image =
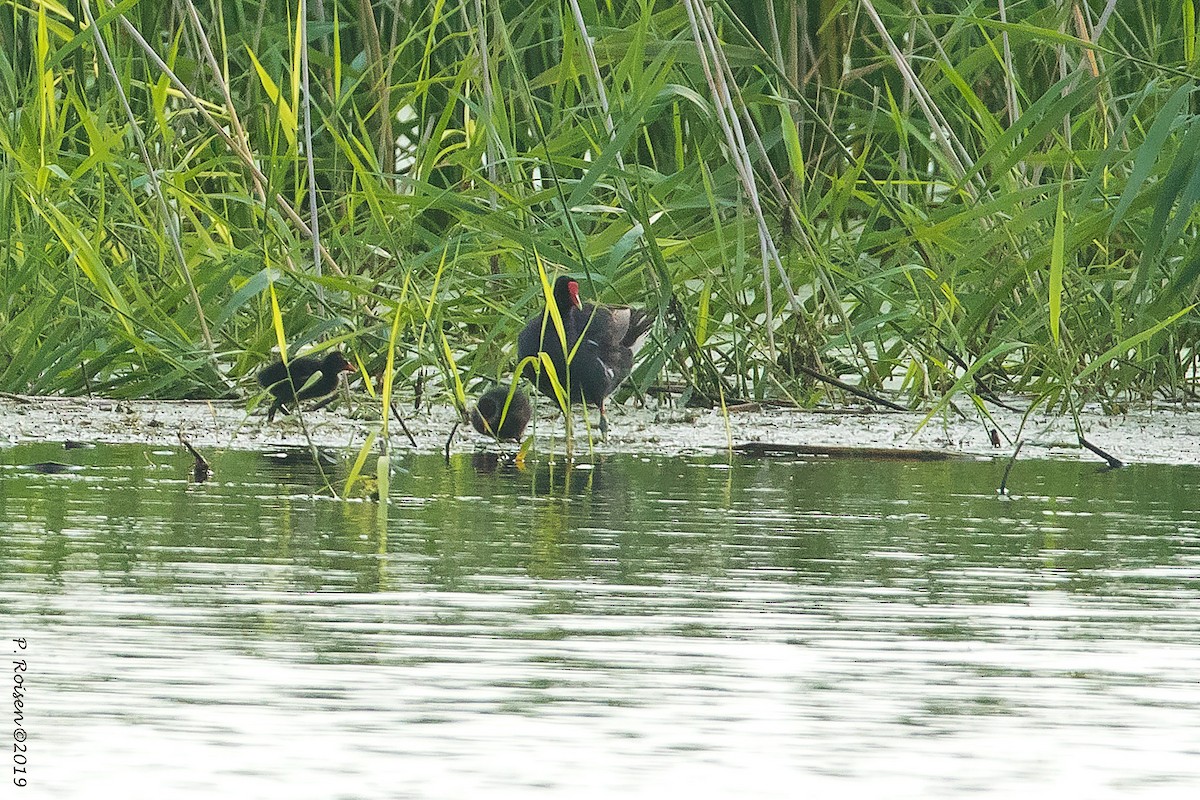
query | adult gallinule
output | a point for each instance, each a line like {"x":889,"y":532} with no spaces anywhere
{"x":490,"y":418}
{"x":302,"y":379}
{"x":607,"y":337}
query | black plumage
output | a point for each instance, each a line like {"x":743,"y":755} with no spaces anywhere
{"x":603,"y":340}
{"x":302,"y":378}
{"x":490,"y":418}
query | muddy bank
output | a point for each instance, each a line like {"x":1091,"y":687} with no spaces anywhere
{"x":1159,"y":435}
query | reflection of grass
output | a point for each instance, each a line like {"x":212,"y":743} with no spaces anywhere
{"x":950,"y":632}
{"x":700,"y":630}
{"x":982,"y":705}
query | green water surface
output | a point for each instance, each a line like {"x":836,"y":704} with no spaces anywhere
{"x":628,"y":627}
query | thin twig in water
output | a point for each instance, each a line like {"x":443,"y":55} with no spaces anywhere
{"x":1113,"y":462}
{"x":403,"y":427}
{"x":1008,"y":467}
{"x":450,"y":439}
{"x":201,"y":470}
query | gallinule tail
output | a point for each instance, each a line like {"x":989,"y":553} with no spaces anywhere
{"x":302,"y":379}
{"x":490,"y":418}
{"x":607,"y":337}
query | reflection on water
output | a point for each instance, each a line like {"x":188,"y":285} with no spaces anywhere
{"x":763,"y":629}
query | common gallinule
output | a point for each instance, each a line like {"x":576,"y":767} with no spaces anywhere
{"x":490,"y":418}
{"x":302,"y":378}
{"x":610,"y":336}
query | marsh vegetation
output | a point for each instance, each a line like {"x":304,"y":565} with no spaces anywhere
{"x":921,"y":204}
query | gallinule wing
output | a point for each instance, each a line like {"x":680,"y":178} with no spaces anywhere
{"x":489,"y":417}
{"x":302,"y":379}
{"x":610,"y":336}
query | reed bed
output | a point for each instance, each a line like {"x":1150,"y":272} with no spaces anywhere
{"x":922,"y":201}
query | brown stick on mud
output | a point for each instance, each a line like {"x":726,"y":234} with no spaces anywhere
{"x":761,"y":449}
{"x":983,"y":390}
{"x":854,"y":390}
